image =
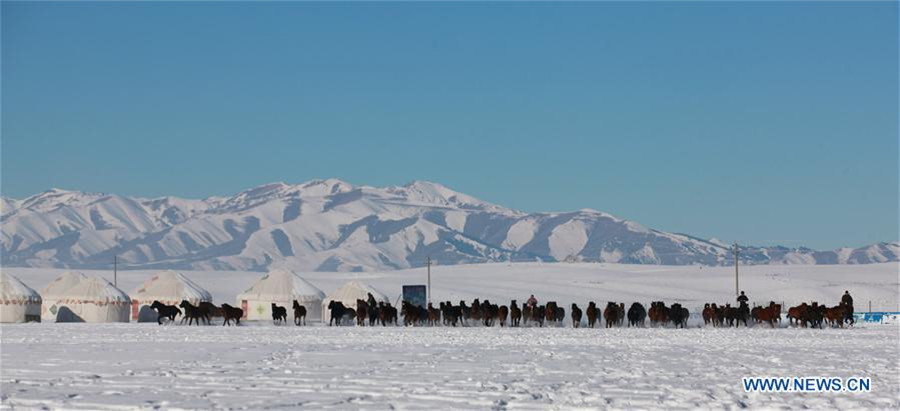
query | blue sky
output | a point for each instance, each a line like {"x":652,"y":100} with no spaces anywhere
{"x":763,"y":123}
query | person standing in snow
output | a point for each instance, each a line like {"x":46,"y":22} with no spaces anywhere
{"x":532,"y":302}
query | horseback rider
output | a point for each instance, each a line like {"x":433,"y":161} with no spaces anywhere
{"x":742,"y":299}
{"x":371,"y":300}
{"x":532,"y":302}
{"x":847,"y":300}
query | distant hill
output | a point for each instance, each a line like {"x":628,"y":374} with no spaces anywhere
{"x":331,"y":225}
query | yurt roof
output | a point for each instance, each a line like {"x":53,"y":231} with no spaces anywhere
{"x":170,"y":285}
{"x":355,"y":290}
{"x":58,"y":287}
{"x":97,"y":290}
{"x":13,"y":289}
{"x":281,"y":283}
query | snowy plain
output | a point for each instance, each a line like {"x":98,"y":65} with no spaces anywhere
{"x":261,"y":366}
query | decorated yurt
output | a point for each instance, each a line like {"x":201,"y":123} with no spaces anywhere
{"x":93,"y":300}
{"x":281,"y":287}
{"x":18,"y":302}
{"x":168,"y":287}
{"x":349,"y":293}
{"x":56,"y":290}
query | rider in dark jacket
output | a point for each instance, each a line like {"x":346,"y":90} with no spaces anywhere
{"x":742,"y":299}
{"x":847,"y":300}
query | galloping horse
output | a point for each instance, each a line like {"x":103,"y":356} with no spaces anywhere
{"x":299,"y":313}
{"x":592,"y":313}
{"x":337,"y":312}
{"x":502,"y":313}
{"x":279,"y":314}
{"x":658,"y":313}
{"x":835,"y":315}
{"x":165,"y":311}
{"x":434,"y":315}
{"x":362,"y":311}
{"x":636,"y":315}
{"x":769,"y":314}
{"x":515,"y":314}
{"x":231,"y":313}
{"x":209,"y":310}
{"x":677,"y":315}
{"x":191,"y":313}
{"x":611,"y":314}
{"x":576,"y":316}
{"x":708,"y":314}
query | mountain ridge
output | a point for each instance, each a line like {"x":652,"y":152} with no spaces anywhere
{"x":332,"y":225}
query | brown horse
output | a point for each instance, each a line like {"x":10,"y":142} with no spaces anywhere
{"x":362,"y":310}
{"x":797,"y":313}
{"x":476,"y":310}
{"x":209,"y":310}
{"x":231,"y":313}
{"x":527,"y":313}
{"x":502,"y":313}
{"x":658,"y":313}
{"x":611,"y":314}
{"x":769,"y":314}
{"x":708,"y":314}
{"x":592,"y":313}
{"x":434,"y":315}
{"x":835,"y":315}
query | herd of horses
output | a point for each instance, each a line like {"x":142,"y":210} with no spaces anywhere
{"x":197,"y":314}
{"x":488,"y":314}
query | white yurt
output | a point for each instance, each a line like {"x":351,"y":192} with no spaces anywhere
{"x":168,"y":287}
{"x":56,"y":290}
{"x":18,"y":302}
{"x":349,"y":293}
{"x":93,"y":300}
{"x":281,"y":287}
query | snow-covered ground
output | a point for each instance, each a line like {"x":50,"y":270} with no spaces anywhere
{"x":99,"y":366}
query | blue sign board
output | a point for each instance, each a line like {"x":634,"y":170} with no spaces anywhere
{"x":416,"y":295}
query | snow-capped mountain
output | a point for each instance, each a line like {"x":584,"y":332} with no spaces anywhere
{"x":331,"y":225}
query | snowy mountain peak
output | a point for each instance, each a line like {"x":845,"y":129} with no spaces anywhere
{"x":333,"y":225}
{"x":326,"y":187}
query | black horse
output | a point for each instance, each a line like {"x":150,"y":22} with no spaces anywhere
{"x":677,"y":315}
{"x":742,"y":314}
{"x":191,"y":312}
{"x":232,"y":313}
{"x":299,"y":313}
{"x":576,"y":316}
{"x":337,"y":312}
{"x":165,"y":311}
{"x":636,"y":315}
{"x":279,"y":314}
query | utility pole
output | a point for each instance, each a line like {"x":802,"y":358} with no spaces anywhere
{"x":736,"y":283}
{"x":116,"y":270}
{"x":428,"y":263}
